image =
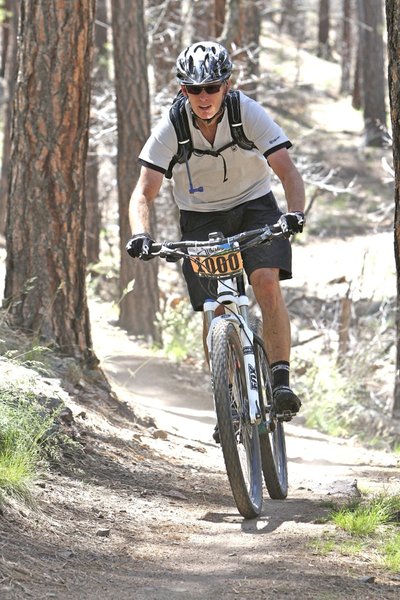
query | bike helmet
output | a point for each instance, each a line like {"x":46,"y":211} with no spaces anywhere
{"x":203,"y":62}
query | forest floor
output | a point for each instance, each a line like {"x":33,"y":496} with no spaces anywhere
{"x":142,"y":510}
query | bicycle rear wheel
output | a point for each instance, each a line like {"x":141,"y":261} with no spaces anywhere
{"x":238,"y":437}
{"x":271,"y":431}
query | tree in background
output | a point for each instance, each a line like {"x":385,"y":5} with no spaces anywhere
{"x":8,"y":71}
{"x":290,"y":17}
{"x":45,"y":267}
{"x":393,"y":28}
{"x":231,"y":31}
{"x":165,"y":32}
{"x":138,"y":306}
{"x":370,"y":17}
{"x":199,"y":23}
{"x":100,"y":81}
{"x":324,"y":49}
{"x":249,"y":41}
{"x":346,"y":46}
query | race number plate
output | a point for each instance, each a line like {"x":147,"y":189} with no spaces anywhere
{"x":219,"y":266}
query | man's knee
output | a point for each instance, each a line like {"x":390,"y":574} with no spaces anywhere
{"x":265,"y":281}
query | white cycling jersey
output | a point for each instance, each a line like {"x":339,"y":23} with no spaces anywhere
{"x":233,"y":177}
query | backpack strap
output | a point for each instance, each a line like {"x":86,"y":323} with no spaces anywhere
{"x":179,"y":119}
{"x":232,"y":101}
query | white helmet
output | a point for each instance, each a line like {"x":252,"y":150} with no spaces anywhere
{"x":202,"y":63}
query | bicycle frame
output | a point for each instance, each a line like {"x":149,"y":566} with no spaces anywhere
{"x":263,"y":446}
{"x":237,"y":313}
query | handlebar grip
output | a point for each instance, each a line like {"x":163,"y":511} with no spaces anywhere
{"x":155,"y":247}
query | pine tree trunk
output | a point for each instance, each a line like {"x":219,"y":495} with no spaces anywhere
{"x":199,"y":23}
{"x":346,"y":48}
{"x":324,"y":50}
{"x":138,"y":307}
{"x":9,"y":62}
{"x":370,"y":15}
{"x":219,"y":17}
{"x":231,"y":31}
{"x":45,"y":269}
{"x":250,"y":31}
{"x":100,"y":79}
{"x":393,"y":26}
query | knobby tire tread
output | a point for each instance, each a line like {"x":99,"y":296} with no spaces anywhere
{"x":272,"y":445}
{"x":225,"y":347}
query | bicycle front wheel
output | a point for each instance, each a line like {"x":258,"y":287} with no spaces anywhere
{"x":238,"y":437}
{"x":272,"y":433}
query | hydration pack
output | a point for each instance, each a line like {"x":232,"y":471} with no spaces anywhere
{"x":179,"y":119}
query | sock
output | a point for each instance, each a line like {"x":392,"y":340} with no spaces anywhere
{"x":280,"y":373}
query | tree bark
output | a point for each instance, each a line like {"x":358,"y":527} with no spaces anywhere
{"x":249,"y":40}
{"x":324,"y":50}
{"x":200,"y":22}
{"x":370,"y":16}
{"x":231,"y":31}
{"x":100,"y":79}
{"x":219,"y":17}
{"x":290,"y":17}
{"x":138,"y":307}
{"x":9,"y":59}
{"x":346,"y":47}
{"x":45,"y":269}
{"x":393,"y":27}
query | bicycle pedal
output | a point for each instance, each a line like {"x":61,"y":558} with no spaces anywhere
{"x":285,"y":415}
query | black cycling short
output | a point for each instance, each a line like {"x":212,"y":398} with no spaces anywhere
{"x":249,"y":215}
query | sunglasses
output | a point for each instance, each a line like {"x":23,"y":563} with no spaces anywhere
{"x":213,"y":88}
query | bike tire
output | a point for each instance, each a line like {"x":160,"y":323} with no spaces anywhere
{"x":271,"y":431}
{"x":240,"y":443}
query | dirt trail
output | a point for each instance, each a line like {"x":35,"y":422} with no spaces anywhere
{"x":146,"y":513}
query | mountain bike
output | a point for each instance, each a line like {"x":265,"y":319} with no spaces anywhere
{"x":249,"y":428}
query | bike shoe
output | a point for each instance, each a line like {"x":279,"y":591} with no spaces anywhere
{"x":216,"y":435}
{"x":286,"y":400}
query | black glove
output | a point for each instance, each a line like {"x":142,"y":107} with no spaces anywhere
{"x":139,"y":246}
{"x":292,"y":222}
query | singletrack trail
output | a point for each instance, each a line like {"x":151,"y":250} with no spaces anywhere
{"x":146,"y":513}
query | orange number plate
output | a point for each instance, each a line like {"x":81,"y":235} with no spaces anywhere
{"x":220,"y":266}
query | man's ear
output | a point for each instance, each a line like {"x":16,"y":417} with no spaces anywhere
{"x":183,"y":90}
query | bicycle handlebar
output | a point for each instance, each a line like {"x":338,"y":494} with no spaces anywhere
{"x":218,"y":245}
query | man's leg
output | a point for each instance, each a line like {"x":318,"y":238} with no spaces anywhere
{"x":276,"y":329}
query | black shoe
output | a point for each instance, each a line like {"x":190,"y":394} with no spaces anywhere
{"x":216,"y":435}
{"x":286,"y":400}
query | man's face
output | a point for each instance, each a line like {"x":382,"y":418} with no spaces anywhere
{"x":207,"y":103}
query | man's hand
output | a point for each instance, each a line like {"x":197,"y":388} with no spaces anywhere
{"x":139,"y":246}
{"x":292,"y":222}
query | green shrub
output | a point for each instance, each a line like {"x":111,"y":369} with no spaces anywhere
{"x":26,"y":432}
{"x":181,"y":331}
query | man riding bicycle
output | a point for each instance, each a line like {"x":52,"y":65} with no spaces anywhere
{"x":221,"y":185}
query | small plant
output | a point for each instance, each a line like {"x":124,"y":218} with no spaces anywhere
{"x":370,"y":528}
{"x":365,"y":517}
{"x":26,"y":432}
{"x":181,"y":331}
{"x":326,"y":394}
{"x":390,"y":552}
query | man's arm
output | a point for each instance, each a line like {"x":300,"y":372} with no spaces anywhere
{"x":291,"y":180}
{"x":145,"y":192}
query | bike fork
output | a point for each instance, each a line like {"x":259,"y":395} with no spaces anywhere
{"x":246,"y":337}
